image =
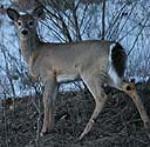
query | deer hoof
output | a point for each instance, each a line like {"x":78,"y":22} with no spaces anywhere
{"x":147,"y":125}
{"x":43,"y":132}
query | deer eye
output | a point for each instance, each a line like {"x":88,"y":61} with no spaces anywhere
{"x":19,"y":23}
{"x":31,"y":23}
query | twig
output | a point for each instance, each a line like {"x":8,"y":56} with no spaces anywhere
{"x":141,"y":30}
{"x":6,"y":127}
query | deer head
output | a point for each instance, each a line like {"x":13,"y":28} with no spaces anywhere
{"x":26,"y":24}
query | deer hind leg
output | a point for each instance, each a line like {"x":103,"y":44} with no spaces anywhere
{"x":49,"y":96}
{"x":93,"y":83}
{"x":130,"y":89}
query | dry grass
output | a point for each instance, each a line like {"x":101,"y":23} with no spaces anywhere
{"x":119,"y":125}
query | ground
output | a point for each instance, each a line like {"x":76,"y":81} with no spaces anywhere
{"x":119,"y":124}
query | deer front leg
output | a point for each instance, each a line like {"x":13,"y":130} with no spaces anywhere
{"x":49,"y":96}
{"x":93,"y":83}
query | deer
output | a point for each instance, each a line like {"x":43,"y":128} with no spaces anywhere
{"x":98,"y":63}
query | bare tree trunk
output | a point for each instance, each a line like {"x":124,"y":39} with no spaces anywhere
{"x":78,"y":35}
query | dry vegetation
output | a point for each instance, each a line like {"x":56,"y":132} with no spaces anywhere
{"x":119,"y":125}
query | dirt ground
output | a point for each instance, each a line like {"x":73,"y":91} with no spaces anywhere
{"x":119,"y":124}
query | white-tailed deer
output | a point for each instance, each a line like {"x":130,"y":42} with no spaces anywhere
{"x":97,"y":63}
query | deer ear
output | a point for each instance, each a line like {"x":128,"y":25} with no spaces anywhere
{"x":12,"y":14}
{"x":38,"y":12}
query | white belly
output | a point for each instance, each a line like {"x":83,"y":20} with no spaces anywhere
{"x":67,"y":78}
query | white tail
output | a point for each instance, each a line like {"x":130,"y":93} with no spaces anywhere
{"x":97,"y":63}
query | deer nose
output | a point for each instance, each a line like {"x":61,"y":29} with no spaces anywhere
{"x":24,"y":32}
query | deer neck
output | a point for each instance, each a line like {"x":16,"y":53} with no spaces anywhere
{"x":29,"y":46}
